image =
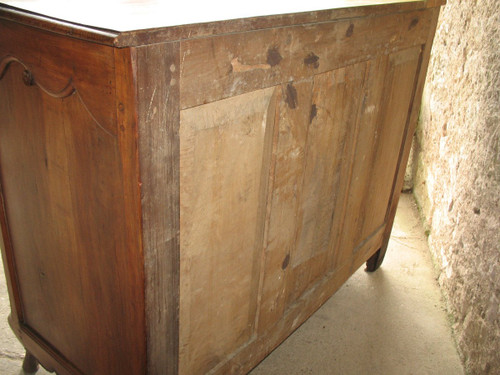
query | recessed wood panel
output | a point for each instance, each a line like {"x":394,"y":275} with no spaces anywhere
{"x":62,"y":184}
{"x":292,"y":122}
{"x":221,"y":158}
{"x":315,"y":133}
{"x":336,"y":97}
{"x":400,"y":82}
{"x":383,"y":120}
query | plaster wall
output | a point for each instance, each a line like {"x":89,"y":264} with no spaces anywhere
{"x":457,"y":174}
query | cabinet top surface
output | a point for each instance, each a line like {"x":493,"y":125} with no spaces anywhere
{"x":115,"y":17}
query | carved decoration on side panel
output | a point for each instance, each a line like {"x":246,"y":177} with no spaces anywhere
{"x":29,"y":80}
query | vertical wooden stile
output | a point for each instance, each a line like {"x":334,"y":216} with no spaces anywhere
{"x":157,"y":90}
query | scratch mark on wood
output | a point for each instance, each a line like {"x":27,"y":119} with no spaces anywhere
{"x":151,"y":114}
{"x":240,"y":68}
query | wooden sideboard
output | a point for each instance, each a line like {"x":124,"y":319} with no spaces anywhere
{"x":179,"y":199}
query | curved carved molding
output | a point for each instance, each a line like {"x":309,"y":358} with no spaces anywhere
{"x":29,"y":79}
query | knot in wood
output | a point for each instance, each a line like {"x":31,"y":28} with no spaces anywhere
{"x":28,"y":78}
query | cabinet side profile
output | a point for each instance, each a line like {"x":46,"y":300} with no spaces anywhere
{"x":178,"y":200}
{"x":70,"y":243}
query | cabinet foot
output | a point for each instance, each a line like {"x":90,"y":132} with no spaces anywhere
{"x":375,"y":261}
{"x":30,"y":363}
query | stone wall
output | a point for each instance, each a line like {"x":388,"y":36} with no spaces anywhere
{"x":457,"y":174}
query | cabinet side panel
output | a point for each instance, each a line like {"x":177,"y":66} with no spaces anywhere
{"x":411,"y":124}
{"x":78,"y":277}
{"x":401,"y":78}
{"x":157,"y":69}
{"x":336,"y":97}
{"x":384,"y":113}
{"x":292,"y":121}
{"x":52,"y":58}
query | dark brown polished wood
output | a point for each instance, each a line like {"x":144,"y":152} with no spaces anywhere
{"x":30,"y":363}
{"x":179,"y":199}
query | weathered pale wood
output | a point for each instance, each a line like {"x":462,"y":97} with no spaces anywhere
{"x":337,"y":97}
{"x":409,"y":131}
{"x":331,"y":119}
{"x":399,"y":90}
{"x":157,"y":69}
{"x":293,"y":120}
{"x":363,"y":153}
{"x":223,"y":66}
{"x":149,"y":14}
{"x":221,"y":158}
{"x":244,"y":359}
{"x":376,"y":157}
{"x":364,"y":140}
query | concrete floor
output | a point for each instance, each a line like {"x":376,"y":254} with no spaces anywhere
{"x":390,"y":322}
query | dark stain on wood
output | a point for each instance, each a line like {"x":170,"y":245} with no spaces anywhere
{"x":28,"y":78}
{"x":291,"y":96}
{"x":312,"y":60}
{"x":350,"y":30}
{"x":413,"y":23}
{"x":286,"y":261}
{"x":273,"y":56}
{"x":313,"y":113}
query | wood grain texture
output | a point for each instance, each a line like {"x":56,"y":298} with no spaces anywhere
{"x":337,"y":96}
{"x":184,"y":32}
{"x":222,"y":155}
{"x":361,"y":162}
{"x":141,"y":15}
{"x":398,"y":92}
{"x":50,"y":58}
{"x":334,"y":100}
{"x":157,"y":70}
{"x":243,"y":360}
{"x":377,"y":147}
{"x":292,"y":117}
{"x":127,"y":125}
{"x":64,"y":208}
{"x":280,"y":55}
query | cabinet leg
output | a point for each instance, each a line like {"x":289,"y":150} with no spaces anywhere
{"x":376,"y":260}
{"x":30,"y":363}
